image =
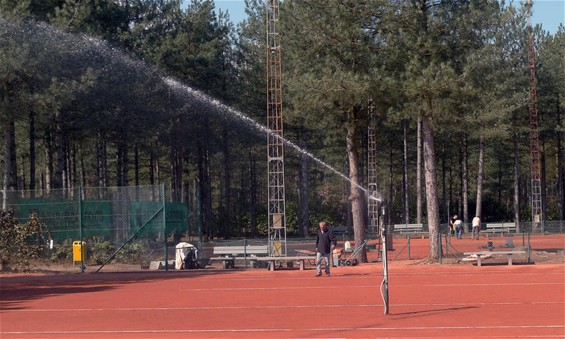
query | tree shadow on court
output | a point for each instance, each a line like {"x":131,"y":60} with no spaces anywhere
{"x":20,"y":288}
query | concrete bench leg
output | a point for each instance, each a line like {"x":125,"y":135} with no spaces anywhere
{"x":229,"y":263}
{"x":301,"y":263}
{"x":478,"y":260}
{"x":510,"y":259}
{"x":271,"y":265}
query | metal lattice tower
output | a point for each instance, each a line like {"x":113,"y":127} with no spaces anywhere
{"x":535,"y":167}
{"x":275,"y":157}
{"x":372,"y":205}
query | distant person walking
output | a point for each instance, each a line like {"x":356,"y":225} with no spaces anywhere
{"x":325,"y":243}
{"x":476,"y":227}
{"x":452,"y":224}
{"x":458,"y":228}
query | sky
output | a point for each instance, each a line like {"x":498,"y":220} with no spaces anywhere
{"x":548,"y":13}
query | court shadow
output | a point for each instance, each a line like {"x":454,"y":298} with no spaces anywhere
{"x":435,"y":311}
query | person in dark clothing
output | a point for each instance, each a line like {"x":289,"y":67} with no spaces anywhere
{"x":325,"y":243}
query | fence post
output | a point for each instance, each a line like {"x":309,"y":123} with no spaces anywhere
{"x":80,"y":228}
{"x":440,"y":250}
{"x":529,"y":248}
{"x":164,"y":221}
{"x":409,"y":258}
{"x":447,"y":241}
{"x":199,"y":215}
{"x":244,"y":253}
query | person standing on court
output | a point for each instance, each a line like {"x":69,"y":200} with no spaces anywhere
{"x":452,"y":224}
{"x":458,"y":229}
{"x":476,"y":227}
{"x":325,"y":243}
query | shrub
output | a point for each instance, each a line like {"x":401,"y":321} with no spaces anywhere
{"x":21,"y":243}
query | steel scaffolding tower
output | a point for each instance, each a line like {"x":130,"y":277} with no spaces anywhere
{"x":275,"y":157}
{"x":535,"y":168}
{"x":373,"y":205}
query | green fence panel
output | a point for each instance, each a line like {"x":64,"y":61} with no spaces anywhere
{"x":60,"y":216}
{"x":97,"y":220}
{"x":177,"y":217}
{"x":145,"y":216}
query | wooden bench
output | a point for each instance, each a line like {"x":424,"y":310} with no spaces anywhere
{"x":482,"y":254}
{"x":272,"y":261}
{"x":228,"y":254}
{"x":408,"y":229}
{"x":499,"y":227}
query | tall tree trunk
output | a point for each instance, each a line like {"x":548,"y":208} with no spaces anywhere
{"x":355,"y":197}
{"x":82,"y":171}
{"x":59,"y":148}
{"x":391,"y":171}
{"x":136,"y":165}
{"x":445,"y":200}
{"x":465,"y":168}
{"x":202,"y":189}
{"x":460,"y":188}
{"x":431,"y":183}
{"x":32,"y":156}
{"x":136,"y":170}
{"x":119,"y":165}
{"x":405,"y":186}
{"x":101,"y":166}
{"x":304,"y":213}
{"x":22,"y":176}
{"x":561,"y":169}
{"x":72,"y":168}
{"x":205,"y":188}
{"x":480,"y":177}
{"x":10,"y":164}
{"x":516,"y":184}
{"x":125,"y":164}
{"x":253,"y":194}
{"x":227,"y":222}
{"x":66,"y":167}
{"x":419,"y":172}
{"x":152,"y":170}
{"x":177,"y":169}
{"x":122,"y":163}
{"x":48,"y":162}
{"x":152,"y":165}
{"x":543,"y":179}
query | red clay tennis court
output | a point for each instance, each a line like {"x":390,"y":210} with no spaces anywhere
{"x":426,"y":301}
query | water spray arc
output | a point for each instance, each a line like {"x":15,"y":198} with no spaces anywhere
{"x":218,"y":107}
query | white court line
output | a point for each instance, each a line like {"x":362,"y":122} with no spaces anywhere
{"x":324,"y":287}
{"x":325,"y":329}
{"x":372,"y":275}
{"x":266,"y":307}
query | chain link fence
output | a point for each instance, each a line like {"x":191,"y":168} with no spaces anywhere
{"x":117,"y":225}
{"x":133,"y":228}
